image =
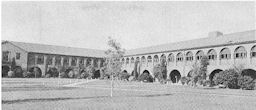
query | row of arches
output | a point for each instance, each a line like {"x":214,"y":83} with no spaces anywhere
{"x":175,"y":75}
{"x":225,"y":53}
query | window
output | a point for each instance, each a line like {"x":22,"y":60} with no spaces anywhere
{"x":240,"y":52}
{"x":65,"y":61}
{"x":73,"y":62}
{"x":57,"y":60}
{"x":40,"y":59}
{"x":5,"y":56}
{"x":49,"y":60}
{"x":81,"y":62}
{"x":17,"y":56}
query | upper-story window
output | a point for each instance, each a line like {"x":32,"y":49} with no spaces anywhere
{"x":17,"y":56}
{"x":132,"y":60}
{"x":127,"y":60}
{"x":156,"y":59}
{"x":65,"y":61}
{"x":40,"y":59}
{"x":57,"y":60}
{"x":123,"y":60}
{"x":163,"y":58}
{"x":149,"y":59}
{"x":73,"y":61}
{"x":143,"y":59}
{"x":170,"y":58}
{"x":179,"y":57}
{"x":240,"y":52}
{"x":49,"y":60}
{"x":5,"y":56}
{"x":225,"y":54}
{"x":81,"y":61}
{"x":212,"y":54}
{"x":253,"y":51}
{"x":137,"y":59}
{"x":189,"y":56}
{"x":199,"y":54}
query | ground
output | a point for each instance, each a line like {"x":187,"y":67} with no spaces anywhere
{"x":82,"y":94}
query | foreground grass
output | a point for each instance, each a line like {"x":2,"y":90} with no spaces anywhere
{"x":45,"y":94}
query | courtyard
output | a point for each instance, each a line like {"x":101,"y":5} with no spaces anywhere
{"x":68,"y":94}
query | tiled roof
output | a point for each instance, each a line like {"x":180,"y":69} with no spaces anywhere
{"x":247,"y":36}
{"x":60,"y":50}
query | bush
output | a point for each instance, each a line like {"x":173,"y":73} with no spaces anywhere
{"x":124,"y":76}
{"x":184,"y":80}
{"x":229,"y":78}
{"x":18,"y":72}
{"x":53,"y":72}
{"x":77,"y":74}
{"x":28,"y":74}
{"x":71,"y":74}
{"x":47,"y":76}
{"x":145,"y":77}
{"x":246,"y":82}
{"x":11,"y":74}
{"x":63,"y":75}
{"x":85,"y":75}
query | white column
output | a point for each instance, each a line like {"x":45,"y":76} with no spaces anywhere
{"x":62,"y":61}
{"x":69,"y":61}
{"x":53,"y":60}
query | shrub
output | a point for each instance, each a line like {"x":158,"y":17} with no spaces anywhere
{"x":145,"y":77}
{"x":11,"y":74}
{"x":246,"y":82}
{"x":53,"y":72}
{"x":18,"y":72}
{"x":71,"y":74}
{"x":27,"y":74}
{"x":47,"y":76}
{"x":77,"y":74}
{"x":63,"y":75}
{"x":184,"y":80}
{"x":229,"y":78}
{"x":124,"y":76}
{"x":85,"y":75}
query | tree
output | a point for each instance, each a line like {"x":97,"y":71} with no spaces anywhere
{"x":136,"y":70}
{"x":160,"y":71}
{"x":199,"y":70}
{"x":113,"y":64}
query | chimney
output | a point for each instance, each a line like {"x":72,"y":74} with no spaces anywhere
{"x":215,"y":34}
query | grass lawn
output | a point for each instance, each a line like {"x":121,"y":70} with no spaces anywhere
{"x":57,"y":94}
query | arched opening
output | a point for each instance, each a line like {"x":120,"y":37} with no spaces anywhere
{"x":170,"y":58}
{"x":199,"y":54}
{"x":146,"y":77}
{"x":249,"y":72}
{"x":190,"y":74}
{"x":96,"y":74}
{"x":137,"y":59}
{"x":132,"y":60}
{"x":189,"y":56}
{"x":123,"y":60}
{"x":179,"y":57}
{"x":175,"y":76}
{"x":225,"y":54}
{"x":156,"y":59}
{"x":212,"y":54}
{"x":127,"y":60}
{"x":5,"y":70}
{"x":240,"y":52}
{"x":143,"y":59}
{"x":36,"y":71}
{"x":163,"y":58}
{"x":253,"y":52}
{"x":213,"y":73}
{"x":149,"y":59}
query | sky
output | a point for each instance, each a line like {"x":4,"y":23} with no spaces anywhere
{"x":87,"y":24}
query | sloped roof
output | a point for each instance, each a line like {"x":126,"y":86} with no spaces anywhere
{"x":60,"y":50}
{"x":247,"y":36}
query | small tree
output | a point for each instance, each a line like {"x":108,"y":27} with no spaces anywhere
{"x":199,"y":70}
{"x":160,"y":71}
{"x":113,"y":64}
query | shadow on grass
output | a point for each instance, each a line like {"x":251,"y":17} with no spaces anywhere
{"x":76,"y":98}
{"x":47,"y":99}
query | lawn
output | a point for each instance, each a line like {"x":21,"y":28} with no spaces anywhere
{"x":73,"y":94}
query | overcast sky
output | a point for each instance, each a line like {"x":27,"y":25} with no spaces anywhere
{"x":133,"y":24}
